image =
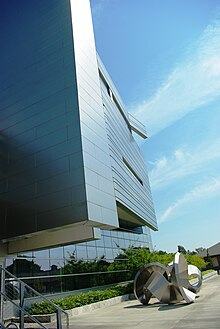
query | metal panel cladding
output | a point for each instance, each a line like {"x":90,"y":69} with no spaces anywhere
{"x":42,"y":179}
{"x":131,"y":184}
{"x":65,"y":159}
{"x":42,"y":183}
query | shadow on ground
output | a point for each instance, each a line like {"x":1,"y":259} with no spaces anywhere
{"x":161,"y":307}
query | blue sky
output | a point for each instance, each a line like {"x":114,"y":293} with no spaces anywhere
{"x":164,"y":58}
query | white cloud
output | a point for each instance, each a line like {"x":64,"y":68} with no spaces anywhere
{"x":204,"y":191}
{"x":192,"y":84}
{"x":180,"y":155}
{"x":181,"y":163}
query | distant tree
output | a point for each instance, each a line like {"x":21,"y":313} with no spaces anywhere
{"x":162,"y":252}
{"x":185,"y":252}
{"x":132,"y":259}
{"x":22,"y":267}
{"x":182,"y":250}
{"x":189,"y":252}
{"x":196,"y":260}
{"x":200,"y":249}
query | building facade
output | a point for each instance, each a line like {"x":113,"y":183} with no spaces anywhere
{"x":73,"y":178}
{"x":211,"y":255}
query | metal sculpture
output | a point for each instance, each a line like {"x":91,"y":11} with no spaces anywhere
{"x":168,"y":284}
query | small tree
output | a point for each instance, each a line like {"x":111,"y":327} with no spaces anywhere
{"x":200,"y":249}
{"x":196,"y":260}
{"x":182,"y":250}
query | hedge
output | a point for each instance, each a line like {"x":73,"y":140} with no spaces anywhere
{"x":70,"y":302}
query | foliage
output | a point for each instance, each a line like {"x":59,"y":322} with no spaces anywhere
{"x":98,"y":272}
{"x":130,"y":260}
{"x":79,"y":266}
{"x":133,"y":259}
{"x":70,"y":302}
{"x":200,"y":249}
{"x":74,"y":266}
{"x":196,"y":260}
{"x":23,"y":267}
{"x":206,"y":272}
{"x":182,"y":250}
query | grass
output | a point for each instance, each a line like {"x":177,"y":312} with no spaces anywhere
{"x":206,"y":272}
{"x":203,"y":274}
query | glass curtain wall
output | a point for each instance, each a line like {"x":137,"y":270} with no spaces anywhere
{"x":78,"y":266}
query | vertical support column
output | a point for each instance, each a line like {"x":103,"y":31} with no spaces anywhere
{"x":21,"y":320}
{"x":2,"y":289}
{"x":59,"y":320}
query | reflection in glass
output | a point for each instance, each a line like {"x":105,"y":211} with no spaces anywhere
{"x":121,"y":243}
{"x":109,"y":254}
{"x":116,"y":252}
{"x":9,"y":261}
{"x":100,"y":252}
{"x":81,"y":252}
{"x":91,"y":243}
{"x":26,"y":255}
{"x":127,"y":243}
{"x":51,"y":263}
{"x":108,"y":242}
{"x":125,"y":235}
{"x":41,"y":265}
{"x":91,"y":253}
{"x":41,"y":254}
{"x":121,"y":235}
{"x":100,"y":242}
{"x":69,"y":250}
{"x":56,"y":264}
{"x":115,"y":242}
{"x":57,"y":252}
{"x":115,"y":234}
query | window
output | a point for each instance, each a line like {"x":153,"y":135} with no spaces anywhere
{"x":110,"y":92}
{"x":132,"y":171}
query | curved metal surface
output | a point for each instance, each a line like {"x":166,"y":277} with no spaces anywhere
{"x":143,"y":275}
{"x":181,"y":276}
{"x":193,"y":270}
{"x":169,"y":284}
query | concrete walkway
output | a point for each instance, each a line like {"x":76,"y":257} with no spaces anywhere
{"x":204,"y":313}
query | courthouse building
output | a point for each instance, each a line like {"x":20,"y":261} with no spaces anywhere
{"x":73,"y":179}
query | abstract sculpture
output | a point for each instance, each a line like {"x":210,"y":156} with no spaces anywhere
{"x":168,"y":284}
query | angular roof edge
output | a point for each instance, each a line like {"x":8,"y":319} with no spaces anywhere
{"x":132,"y":121}
{"x":211,"y":251}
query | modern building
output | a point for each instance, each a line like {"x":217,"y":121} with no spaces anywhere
{"x":212,"y":256}
{"x":73,"y":178}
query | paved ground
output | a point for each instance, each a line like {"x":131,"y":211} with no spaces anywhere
{"x":204,"y":313}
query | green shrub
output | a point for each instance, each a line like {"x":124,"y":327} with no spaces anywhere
{"x":206,"y":272}
{"x":70,"y":302}
{"x":195,"y":260}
